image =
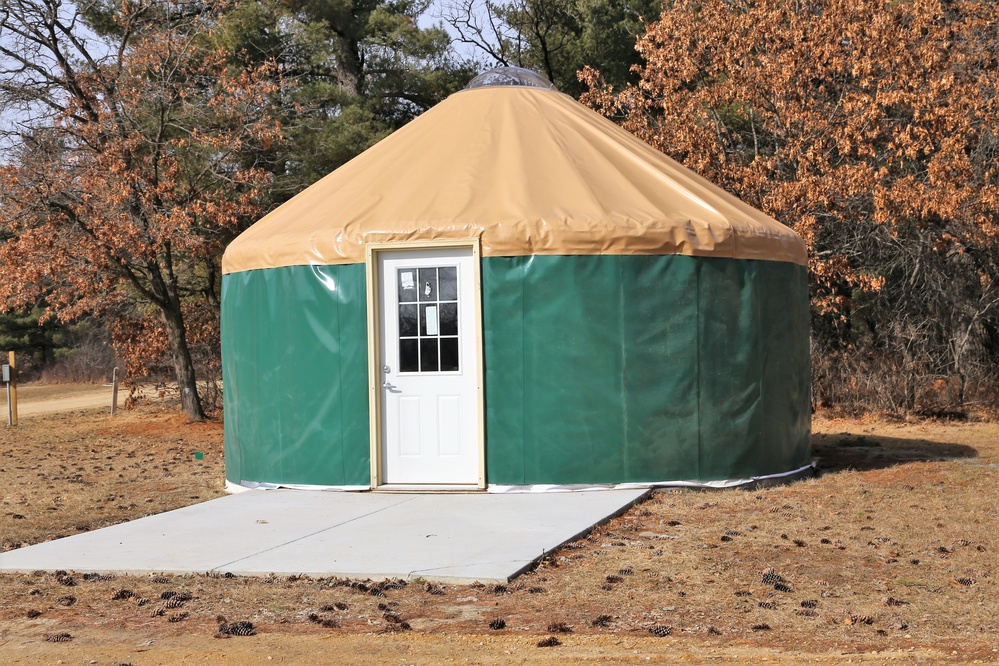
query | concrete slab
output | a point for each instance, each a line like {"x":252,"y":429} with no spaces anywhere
{"x":453,"y":537}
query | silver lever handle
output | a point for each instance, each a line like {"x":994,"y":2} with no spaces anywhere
{"x":387,"y":385}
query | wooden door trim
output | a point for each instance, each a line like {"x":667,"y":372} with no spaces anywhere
{"x":372,"y":251}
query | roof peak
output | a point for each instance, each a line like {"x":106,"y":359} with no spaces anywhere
{"x":510,"y":76}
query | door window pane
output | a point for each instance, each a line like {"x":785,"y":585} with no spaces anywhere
{"x":429,"y":320}
{"x":428,"y":284}
{"x":448,"y":283}
{"x":449,"y":319}
{"x":449,"y":354}
{"x":407,"y":320}
{"x":428,"y":355}
{"x":407,"y":285}
{"x":409,"y":355}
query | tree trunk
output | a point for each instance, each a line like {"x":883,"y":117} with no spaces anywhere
{"x":350,"y":73}
{"x":183,"y":365}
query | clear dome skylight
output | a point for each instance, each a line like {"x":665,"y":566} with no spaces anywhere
{"x":510,"y":76}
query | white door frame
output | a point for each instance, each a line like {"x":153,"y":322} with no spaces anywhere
{"x":375,"y":406}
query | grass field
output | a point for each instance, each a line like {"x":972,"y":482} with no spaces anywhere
{"x":887,"y":556}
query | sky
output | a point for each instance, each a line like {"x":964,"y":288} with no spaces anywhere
{"x":434,"y":15}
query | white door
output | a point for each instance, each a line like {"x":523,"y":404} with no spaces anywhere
{"x":428,"y":367}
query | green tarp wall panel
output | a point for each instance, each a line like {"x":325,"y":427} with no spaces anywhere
{"x":295,"y":375}
{"x":599,"y":369}
{"x":610,"y":369}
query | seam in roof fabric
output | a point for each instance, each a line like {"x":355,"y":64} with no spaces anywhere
{"x":599,"y":369}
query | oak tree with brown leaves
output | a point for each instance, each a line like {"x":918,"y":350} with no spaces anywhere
{"x":132,"y":161}
{"x":872,"y":129}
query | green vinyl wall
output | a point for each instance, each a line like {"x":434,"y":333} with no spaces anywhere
{"x":295,"y":376}
{"x":598,"y":369}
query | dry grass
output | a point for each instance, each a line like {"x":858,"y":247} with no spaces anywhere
{"x":892,"y":547}
{"x":73,"y":472}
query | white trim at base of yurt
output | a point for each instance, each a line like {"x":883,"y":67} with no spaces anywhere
{"x":770,"y":479}
{"x":753,"y":481}
{"x":233,"y":488}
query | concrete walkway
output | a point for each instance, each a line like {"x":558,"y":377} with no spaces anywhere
{"x":454,"y":537}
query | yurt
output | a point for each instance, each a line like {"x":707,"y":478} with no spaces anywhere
{"x":513,"y":293}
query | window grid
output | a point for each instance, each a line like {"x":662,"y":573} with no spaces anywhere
{"x":428,"y":319}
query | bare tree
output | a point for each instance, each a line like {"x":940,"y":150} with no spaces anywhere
{"x":133,"y":164}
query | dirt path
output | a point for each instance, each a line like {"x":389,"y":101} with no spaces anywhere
{"x":41,"y":399}
{"x":146,"y":647}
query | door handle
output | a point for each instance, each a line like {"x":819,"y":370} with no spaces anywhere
{"x":387,"y":385}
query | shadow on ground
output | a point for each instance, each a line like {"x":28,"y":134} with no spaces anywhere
{"x":848,"y":451}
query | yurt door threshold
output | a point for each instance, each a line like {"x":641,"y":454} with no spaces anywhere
{"x":425,"y":366}
{"x":427,"y":488}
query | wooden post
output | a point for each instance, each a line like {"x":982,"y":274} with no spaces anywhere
{"x":114,"y":391}
{"x":12,"y":391}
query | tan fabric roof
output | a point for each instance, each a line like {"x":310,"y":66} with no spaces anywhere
{"x":527,"y":171}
